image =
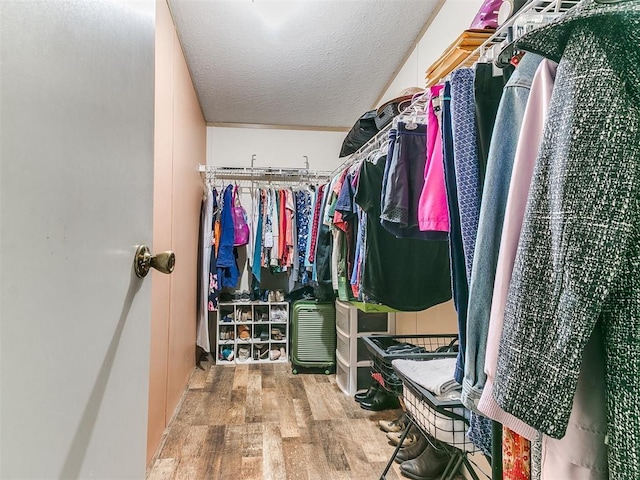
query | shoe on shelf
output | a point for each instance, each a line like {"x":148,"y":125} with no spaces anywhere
{"x":283,"y":353}
{"x":414,"y":451}
{"x":227,"y":354}
{"x":244,"y":353}
{"x":394,"y":425}
{"x":275,"y":354}
{"x":410,"y":439}
{"x":382,"y":400}
{"x":244,"y":332}
{"x":279,"y":295}
{"x":369,"y":394}
{"x":430,"y":464}
{"x":262,"y":351}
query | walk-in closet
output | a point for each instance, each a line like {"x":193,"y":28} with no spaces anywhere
{"x":311,"y":240}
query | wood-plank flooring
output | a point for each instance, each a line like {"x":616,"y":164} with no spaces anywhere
{"x":259,"y":421}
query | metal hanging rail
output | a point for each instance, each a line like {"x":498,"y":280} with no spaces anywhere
{"x":264,"y":174}
{"x":532,"y":15}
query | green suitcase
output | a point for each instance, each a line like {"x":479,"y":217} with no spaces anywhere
{"x":313,"y":335}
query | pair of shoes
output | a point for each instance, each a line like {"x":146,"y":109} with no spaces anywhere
{"x":244,"y":353}
{"x":382,"y":400}
{"x":244,"y":332}
{"x":279,"y":296}
{"x":227,"y":354}
{"x":409,"y":440}
{"x":369,"y":394}
{"x":428,"y":465}
{"x":278,"y":353}
{"x":226,"y":334}
{"x":276,"y":334}
{"x":393,"y":425}
{"x":260,"y":351}
{"x":413,"y":451}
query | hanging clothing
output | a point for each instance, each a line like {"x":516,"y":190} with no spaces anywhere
{"x":214,"y":287}
{"x":578,"y":262}
{"x":460,"y":288}
{"x":206,"y":231}
{"x":316,"y":223}
{"x":227,"y":266}
{"x":256,"y":267}
{"x":494,"y":198}
{"x":402,"y":273}
{"x":466,"y":160}
{"x":433,"y":212}
{"x":487,"y":93}
{"x":303,"y":214}
{"x":524,"y":162}
{"x":405,"y":182}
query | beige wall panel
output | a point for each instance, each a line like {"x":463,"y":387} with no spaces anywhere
{"x":162,"y":190}
{"x":439,"y":319}
{"x":189,"y":150}
{"x":406,"y":323}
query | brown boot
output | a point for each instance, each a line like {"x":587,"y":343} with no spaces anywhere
{"x":429,"y":465}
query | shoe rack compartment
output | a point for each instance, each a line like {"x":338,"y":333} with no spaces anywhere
{"x":353,"y":371}
{"x":252,"y":332}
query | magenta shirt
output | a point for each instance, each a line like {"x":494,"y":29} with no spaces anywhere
{"x":433,"y":210}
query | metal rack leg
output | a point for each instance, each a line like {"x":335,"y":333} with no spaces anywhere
{"x":470,"y":469}
{"x":453,"y":467}
{"x":496,"y":450}
{"x":397,"y":449}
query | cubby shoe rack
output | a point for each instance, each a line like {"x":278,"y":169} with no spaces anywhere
{"x":252,"y":332}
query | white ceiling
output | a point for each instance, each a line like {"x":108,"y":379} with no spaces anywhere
{"x":314,"y":63}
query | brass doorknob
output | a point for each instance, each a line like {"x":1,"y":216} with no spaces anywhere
{"x":164,"y":262}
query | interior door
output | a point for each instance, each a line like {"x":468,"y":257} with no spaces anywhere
{"x":76,"y":181}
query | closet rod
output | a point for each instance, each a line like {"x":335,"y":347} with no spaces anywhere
{"x":262,"y":173}
{"x":505,"y":31}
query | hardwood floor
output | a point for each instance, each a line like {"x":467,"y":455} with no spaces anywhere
{"x":254,"y":422}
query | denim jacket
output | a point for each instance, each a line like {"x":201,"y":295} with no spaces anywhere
{"x":494,"y":198}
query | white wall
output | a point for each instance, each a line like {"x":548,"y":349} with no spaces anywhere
{"x":229,"y":146}
{"x":454,"y":17}
{"x":273,"y":147}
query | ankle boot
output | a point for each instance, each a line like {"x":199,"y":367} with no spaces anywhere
{"x":429,"y":465}
{"x":409,"y":453}
{"x":395,"y":425}
{"x":382,"y":400}
{"x":369,"y":394}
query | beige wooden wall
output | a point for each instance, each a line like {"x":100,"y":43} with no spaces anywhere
{"x":180,"y":146}
{"x":439,"y":319}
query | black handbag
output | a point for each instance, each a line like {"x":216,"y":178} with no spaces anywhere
{"x":364,"y":129}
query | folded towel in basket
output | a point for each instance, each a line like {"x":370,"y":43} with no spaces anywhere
{"x":434,"y":375}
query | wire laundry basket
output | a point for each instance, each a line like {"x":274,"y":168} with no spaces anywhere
{"x":427,"y":347}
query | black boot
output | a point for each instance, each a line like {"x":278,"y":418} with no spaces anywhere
{"x":409,"y":453}
{"x":381,"y":401}
{"x":429,"y":465}
{"x":369,"y":394}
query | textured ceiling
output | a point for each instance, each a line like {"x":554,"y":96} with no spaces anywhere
{"x":305,"y":62}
